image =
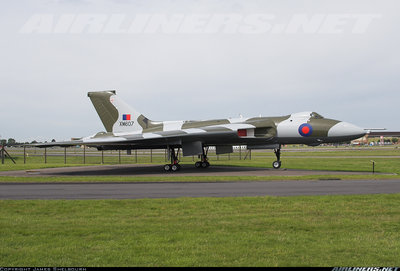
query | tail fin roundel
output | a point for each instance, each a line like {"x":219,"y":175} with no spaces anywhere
{"x":115,"y":114}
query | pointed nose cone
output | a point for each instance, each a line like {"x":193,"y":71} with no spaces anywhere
{"x":345,"y":129}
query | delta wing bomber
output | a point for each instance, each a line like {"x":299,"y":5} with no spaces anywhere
{"x":127,"y":129}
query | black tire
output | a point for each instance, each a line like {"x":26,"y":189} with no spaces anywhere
{"x":197,"y":164}
{"x":276,"y":164}
{"x":167,"y":167}
{"x":205,"y":164}
{"x":175,"y":167}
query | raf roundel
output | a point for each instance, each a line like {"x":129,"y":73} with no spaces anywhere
{"x":305,"y":129}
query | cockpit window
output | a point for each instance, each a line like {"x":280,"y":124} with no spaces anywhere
{"x":316,"y":115}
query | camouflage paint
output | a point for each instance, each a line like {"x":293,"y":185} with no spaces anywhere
{"x":104,"y":108}
{"x":138,"y":131}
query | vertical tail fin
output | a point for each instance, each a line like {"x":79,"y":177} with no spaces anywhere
{"x":116,"y":115}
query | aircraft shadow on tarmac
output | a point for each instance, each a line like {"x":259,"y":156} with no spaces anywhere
{"x":149,"y":170}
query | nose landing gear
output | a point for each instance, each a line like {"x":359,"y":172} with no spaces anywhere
{"x":277,"y":164}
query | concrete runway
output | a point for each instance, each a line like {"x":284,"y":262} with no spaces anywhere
{"x":203,"y":189}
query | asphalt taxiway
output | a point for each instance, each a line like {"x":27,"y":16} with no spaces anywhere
{"x":202,"y":189}
{"x":132,"y":190}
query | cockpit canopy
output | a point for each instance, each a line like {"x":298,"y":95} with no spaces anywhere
{"x":315,"y":115}
{"x":307,"y":115}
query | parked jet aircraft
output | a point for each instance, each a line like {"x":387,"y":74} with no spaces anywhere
{"x":127,"y":129}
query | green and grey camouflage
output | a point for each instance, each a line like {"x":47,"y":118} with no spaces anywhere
{"x":128,"y":129}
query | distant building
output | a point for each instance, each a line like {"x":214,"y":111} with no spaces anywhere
{"x":378,"y":136}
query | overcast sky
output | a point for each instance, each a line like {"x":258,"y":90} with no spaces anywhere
{"x":47,"y":66}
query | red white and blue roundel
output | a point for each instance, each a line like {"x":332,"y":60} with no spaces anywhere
{"x":305,"y":129}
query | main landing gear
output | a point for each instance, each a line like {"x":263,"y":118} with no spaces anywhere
{"x":174,"y":166}
{"x":203,"y":163}
{"x":277,"y":164}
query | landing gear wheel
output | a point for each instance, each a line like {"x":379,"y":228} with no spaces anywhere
{"x":167,"y":167}
{"x":175,"y":167}
{"x":276,"y":164}
{"x":203,"y":163}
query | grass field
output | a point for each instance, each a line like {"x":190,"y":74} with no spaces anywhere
{"x":360,"y":230}
{"x":260,"y":231}
{"x":390,"y":167}
{"x":387,"y":160}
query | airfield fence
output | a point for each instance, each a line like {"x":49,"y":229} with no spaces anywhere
{"x":87,"y":155}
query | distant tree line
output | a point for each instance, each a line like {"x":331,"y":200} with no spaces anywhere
{"x":12,"y":142}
